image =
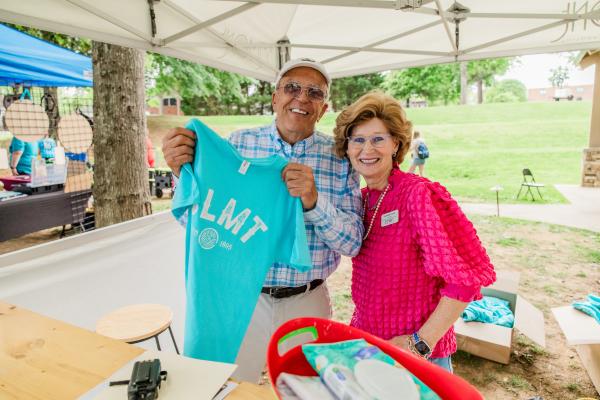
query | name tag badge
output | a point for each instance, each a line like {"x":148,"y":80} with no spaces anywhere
{"x":244,"y":167}
{"x":389,"y":218}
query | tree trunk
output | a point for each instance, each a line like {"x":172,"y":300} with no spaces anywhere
{"x":120,"y":174}
{"x":463,"y":83}
{"x":51,"y":107}
{"x":480,"y":91}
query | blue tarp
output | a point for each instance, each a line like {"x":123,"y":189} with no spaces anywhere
{"x":29,"y":60}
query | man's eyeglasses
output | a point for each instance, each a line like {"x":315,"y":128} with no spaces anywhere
{"x":295,"y":90}
{"x":375,"y":140}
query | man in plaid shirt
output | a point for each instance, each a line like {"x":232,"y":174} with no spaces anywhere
{"x":327,"y":187}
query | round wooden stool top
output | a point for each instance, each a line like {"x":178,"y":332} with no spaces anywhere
{"x":135,"y":323}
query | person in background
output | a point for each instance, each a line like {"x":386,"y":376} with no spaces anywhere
{"x":421,"y":261}
{"x":414,"y":151}
{"x":149,"y":151}
{"x":22,"y":155}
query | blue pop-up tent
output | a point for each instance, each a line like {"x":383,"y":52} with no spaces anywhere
{"x":29,"y":60}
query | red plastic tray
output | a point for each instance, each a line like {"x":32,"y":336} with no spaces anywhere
{"x":10,"y":181}
{"x":446,"y":385}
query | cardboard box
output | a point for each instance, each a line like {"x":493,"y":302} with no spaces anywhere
{"x":78,"y":177}
{"x":583,"y":332}
{"x":494,"y":342}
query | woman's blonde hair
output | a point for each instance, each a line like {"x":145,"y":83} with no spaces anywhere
{"x":374,"y":104}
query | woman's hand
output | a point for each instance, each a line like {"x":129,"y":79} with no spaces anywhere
{"x":400,"y":341}
{"x":443,"y":317}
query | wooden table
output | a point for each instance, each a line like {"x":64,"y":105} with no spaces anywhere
{"x":43,"y":358}
{"x":250,"y":391}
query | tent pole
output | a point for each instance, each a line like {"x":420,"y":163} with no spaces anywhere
{"x":380,"y":42}
{"x":283,"y":52}
{"x":207,"y":23}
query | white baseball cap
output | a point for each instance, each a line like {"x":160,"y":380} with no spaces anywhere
{"x":303,"y":62}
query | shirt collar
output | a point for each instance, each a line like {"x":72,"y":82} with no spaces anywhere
{"x":300,"y":147}
{"x":277,"y":141}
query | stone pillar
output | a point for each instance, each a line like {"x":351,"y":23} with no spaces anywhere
{"x":590,"y":175}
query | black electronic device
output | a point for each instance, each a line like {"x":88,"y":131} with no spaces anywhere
{"x":145,"y":381}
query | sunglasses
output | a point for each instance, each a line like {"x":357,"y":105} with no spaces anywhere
{"x":295,"y":90}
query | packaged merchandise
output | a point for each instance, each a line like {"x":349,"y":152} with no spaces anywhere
{"x":383,"y":381}
{"x":339,"y":362}
{"x":339,"y":379}
{"x":297,"y":387}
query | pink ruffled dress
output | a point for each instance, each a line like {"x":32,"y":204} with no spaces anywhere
{"x":404,"y":268}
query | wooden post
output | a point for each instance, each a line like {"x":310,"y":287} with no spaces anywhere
{"x":595,"y":123}
{"x":590,"y":175}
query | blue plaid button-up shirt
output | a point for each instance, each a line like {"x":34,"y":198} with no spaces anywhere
{"x":335,"y":225}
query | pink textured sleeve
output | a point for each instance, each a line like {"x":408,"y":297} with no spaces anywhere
{"x":461,"y":292}
{"x":449,"y":243}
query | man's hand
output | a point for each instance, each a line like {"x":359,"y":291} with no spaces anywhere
{"x":300,"y":182}
{"x":178,"y":148}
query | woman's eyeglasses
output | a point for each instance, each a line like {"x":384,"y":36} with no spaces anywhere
{"x":295,"y":90}
{"x":375,"y":140}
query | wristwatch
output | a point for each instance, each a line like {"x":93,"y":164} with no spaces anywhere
{"x":421,"y":347}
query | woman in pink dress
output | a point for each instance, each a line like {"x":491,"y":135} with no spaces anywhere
{"x":421,"y":261}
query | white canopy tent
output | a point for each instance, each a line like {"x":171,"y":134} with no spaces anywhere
{"x":80,"y":278}
{"x":350,"y":37}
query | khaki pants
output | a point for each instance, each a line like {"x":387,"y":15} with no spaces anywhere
{"x":270,"y":313}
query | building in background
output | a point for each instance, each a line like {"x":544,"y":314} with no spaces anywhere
{"x":166,"y":105}
{"x":571,"y":92}
{"x":171,"y":105}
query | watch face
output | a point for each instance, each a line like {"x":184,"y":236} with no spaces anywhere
{"x":422,"y":347}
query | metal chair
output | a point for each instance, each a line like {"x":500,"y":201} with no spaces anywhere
{"x":529,"y":182}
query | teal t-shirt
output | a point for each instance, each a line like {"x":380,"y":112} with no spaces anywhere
{"x":241,"y":220}
{"x":30,"y":151}
{"x":47,"y":147}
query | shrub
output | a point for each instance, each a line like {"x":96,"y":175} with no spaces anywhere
{"x":507,"y":91}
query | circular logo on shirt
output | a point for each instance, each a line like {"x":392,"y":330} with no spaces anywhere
{"x":208,"y":238}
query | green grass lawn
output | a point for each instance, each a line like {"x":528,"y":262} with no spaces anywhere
{"x":476,"y":147}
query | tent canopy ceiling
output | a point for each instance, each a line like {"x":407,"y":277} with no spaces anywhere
{"x":351,"y":37}
{"x":26,"y":59}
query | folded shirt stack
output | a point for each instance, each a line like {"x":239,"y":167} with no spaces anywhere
{"x":591,"y":307}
